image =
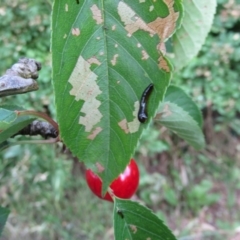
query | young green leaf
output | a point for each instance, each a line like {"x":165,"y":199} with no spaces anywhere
{"x":6,"y":118}
{"x":10,"y":123}
{"x":180,"y":122}
{"x":134,"y":222}
{"x":4,"y":212}
{"x":104,"y":54}
{"x":176,"y":95}
{"x":196,"y":23}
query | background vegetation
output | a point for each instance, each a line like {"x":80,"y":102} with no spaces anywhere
{"x":196,"y":192}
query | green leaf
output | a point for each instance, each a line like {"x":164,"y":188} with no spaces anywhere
{"x":4,"y":212}
{"x":180,"y":122}
{"x":4,"y":145}
{"x":196,"y":23}
{"x":6,"y":118}
{"x":105,"y":54}
{"x":133,"y":221}
{"x":176,"y":95}
{"x":170,"y":196}
{"x":14,"y":122}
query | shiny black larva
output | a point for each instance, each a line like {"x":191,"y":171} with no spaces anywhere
{"x":142,"y":113}
{"x":120,"y":213}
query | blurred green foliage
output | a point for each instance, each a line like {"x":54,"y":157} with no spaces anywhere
{"x":46,"y":200}
{"x":184,"y":187}
{"x":25,"y":32}
{"x":212,"y":78}
{"x":189,"y":183}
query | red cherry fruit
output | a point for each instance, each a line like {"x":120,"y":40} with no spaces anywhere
{"x":123,"y":187}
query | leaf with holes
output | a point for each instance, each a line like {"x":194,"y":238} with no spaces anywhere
{"x":105,"y":54}
{"x":134,"y":221}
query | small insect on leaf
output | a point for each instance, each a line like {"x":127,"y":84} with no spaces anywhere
{"x":77,"y":1}
{"x":142,"y":113}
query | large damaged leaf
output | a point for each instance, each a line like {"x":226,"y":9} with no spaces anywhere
{"x":105,"y":54}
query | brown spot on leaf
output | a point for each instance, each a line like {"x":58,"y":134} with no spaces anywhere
{"x":162,"y":47}
{"x":158,"y":116}
{"x":123,"y":125}
{"x":114,"y":59}
{"x":164,"y":27}
{"x":85,"y":87}
{"x":76,"y":31}
{"x":133,"y":228}
{"x":133,"y":126}
{"x":145,"y":56}
{"x":97,"y":15}
{"x":163,"y":64}
{"x":166,"y":111}
{"x":131,"y":21}
{"x":100,"y":167}
{"x":94,"y":133}
{"x":93,"y":60}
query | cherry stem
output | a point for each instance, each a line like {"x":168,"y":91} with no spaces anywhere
{"x":47,"y":141}
{"x":110,"y":191}
{"x":39,"y":114}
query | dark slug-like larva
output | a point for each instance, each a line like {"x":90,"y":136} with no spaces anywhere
{"x":142,"y":113}
{"x":119,"y":212}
